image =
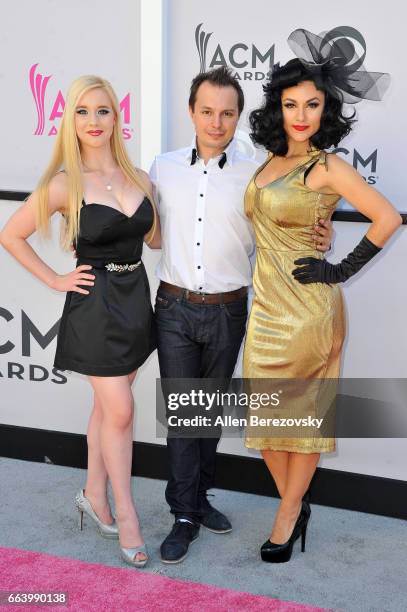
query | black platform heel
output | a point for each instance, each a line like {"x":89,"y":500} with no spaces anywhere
{"x":281,"y":553}
{"x":305,"y":510}
{"x":303,"y":536}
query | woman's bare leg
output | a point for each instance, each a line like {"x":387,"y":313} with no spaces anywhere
{"x":97,"y":477}
{"x":277,"y":463}
{"x":116,"y":445}
{"x":301,"y":468}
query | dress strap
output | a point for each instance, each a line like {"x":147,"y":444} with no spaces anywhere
{"x":270,"y":156}
{"x":323,"y":159}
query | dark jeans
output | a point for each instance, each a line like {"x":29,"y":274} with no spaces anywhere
{"x":195,"y":341}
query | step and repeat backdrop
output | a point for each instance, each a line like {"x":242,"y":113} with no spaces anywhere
{"x":250,"y":37}
{"x":150,"y":50}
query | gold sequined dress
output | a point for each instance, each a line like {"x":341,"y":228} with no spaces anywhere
{"x":295,"y":331}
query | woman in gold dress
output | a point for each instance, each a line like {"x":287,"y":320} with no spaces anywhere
{"x":296,"y":326}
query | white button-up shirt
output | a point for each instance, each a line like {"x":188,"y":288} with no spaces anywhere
{"x":206,"y":238}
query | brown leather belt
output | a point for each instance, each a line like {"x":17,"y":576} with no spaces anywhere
{"x":197,"y":297}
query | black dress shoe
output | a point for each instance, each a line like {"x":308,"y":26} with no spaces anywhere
{"x":174,"y":549}
{"x":212,"y":519}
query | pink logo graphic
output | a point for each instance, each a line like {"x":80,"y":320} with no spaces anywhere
{"x":39,"y":83}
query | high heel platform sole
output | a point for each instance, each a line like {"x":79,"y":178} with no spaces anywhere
{"x":107,"y":536}
{"x":83,"y":506}
{"x":281,"y":553}
{"x":277,"y":558}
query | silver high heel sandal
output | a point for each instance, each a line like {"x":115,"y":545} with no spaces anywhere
{"x":129,"y":554}
{"x":83,"y":505}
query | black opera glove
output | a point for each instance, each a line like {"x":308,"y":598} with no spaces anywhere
{"x":315,"y":270}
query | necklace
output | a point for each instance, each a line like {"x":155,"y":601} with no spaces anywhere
{"x":108,"y":185}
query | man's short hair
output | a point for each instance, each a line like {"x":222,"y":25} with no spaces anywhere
{"x":221,"y":77}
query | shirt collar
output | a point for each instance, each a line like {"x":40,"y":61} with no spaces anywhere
{"x":191,"y":155}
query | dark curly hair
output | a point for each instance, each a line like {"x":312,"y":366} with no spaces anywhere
{"x":266,"y":122}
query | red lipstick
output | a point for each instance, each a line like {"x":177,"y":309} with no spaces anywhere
{"x":301,"y":128}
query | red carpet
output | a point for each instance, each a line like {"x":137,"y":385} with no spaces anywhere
{"x":92,"y":587}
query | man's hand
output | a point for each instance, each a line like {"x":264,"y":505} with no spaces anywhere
{"x":322,"y":236}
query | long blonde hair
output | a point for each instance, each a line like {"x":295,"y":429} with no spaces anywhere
{"x":66,"y":155}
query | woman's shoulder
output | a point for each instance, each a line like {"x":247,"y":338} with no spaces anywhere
{"x":58,"y":190}
{"x":328,"y":157}
{"x":59,"y":180}
{"x":331,"y":173}
{"x":334,"y":164}
{"x":144,"y":175}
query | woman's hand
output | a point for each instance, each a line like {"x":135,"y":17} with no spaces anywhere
{"x":321,"y":271}
{"x":74,"y":280}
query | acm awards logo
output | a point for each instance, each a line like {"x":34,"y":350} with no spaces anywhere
{"x":244,"y":60}
{"x":369,"y":162}
{"x":46,"y":119}
{"x":28,"y":331}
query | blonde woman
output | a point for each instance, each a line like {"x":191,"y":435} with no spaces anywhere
{"x":106,"y":330}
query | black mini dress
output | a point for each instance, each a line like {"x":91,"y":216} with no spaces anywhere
{"x":109,"y":332}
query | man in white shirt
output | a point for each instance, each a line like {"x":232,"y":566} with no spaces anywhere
{"x":205,"y":272}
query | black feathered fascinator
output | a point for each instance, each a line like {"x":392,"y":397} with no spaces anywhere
{"x":333,"y":57}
